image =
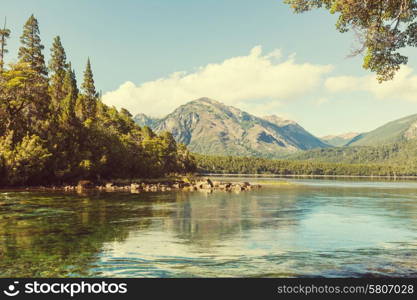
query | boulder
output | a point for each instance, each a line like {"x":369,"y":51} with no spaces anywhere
{"x":238,"y":187}
{"x":204,"y":184}
{"x":82,"y":184}
{"x":176,"y":186}
{"x":134,"y":186}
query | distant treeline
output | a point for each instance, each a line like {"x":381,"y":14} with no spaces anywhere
{"x":53,"y":132}
{"x":400,"y":153}
{"x":251,"y":165}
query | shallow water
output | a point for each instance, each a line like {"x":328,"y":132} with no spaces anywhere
{"x":330,"y":228}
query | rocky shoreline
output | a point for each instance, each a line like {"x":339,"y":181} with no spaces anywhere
{"x":205,"y":184}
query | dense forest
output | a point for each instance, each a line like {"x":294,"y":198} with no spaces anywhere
{"x":401,"y":153}
{"x":252,"y":165}
{"x":52,"y":131}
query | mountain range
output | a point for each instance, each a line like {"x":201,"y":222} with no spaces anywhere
{"x":340,"y":139}
{"x":208,"y":126}
{"x":392,"y":143}
{"x":400,"y":130}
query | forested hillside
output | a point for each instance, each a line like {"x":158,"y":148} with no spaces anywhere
{"x":396,"y":131}
{"x":403,"y":153}
{"x":253,"y":165}
{"x":53,"y":132}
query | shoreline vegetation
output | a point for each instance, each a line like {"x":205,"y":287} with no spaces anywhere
{"x":221,"y":165}
{"x":154,"y":185}
{"x":270,"y":175}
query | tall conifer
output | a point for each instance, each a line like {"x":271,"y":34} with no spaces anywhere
{"x":89,"y":94}
{"x":4,"y":35}
{"x":71,"y":94}
{"x":31,"y":50}
{"x":30,"y":54}
{"x":58,"y":68}
{"x":88,"y":87}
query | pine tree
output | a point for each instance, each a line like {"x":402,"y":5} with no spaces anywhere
{"x":58,"y":69}
{"x":4,"y":35}
{"x":30,"y":54}
{"x":88,"y":84}
{"x":70,"y":82}
{"x":88,"y":100}
{"x":31,"y":50}
{"x":70,"y":90}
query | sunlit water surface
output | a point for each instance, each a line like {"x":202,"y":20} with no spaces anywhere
{"x":328,"y":228}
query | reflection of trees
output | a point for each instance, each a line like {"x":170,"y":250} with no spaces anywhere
{"x":61,"y":235}
{"x":205,"y":219}
{"x":57,"y":235}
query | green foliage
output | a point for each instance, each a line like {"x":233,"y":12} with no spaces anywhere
{"x":25,"y":161}
{"x":31,"y":50}
{"x":58,"y":68}
{"x":401,"y":153}
{"x":383,"y":27}
{"x":55,"y":134}
{"x":23,"y":100}
{"x":252,"y":165}
{"x":88,"y":84}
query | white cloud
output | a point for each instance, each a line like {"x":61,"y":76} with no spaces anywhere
{"x":403,"y":87}
{"x":237,"y":80}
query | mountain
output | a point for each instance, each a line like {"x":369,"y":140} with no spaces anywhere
{"x":396,"y":131}
{"x":295,"y":132}
{"x":144,"y":120}
{"x":209,"y":127}
{"x":392,"y":143}
{"x":340,"y":139}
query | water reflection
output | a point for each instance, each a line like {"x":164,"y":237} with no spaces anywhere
{"x":311,"y":229}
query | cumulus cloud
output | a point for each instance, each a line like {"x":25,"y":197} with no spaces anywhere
{"x":403,"y":87}
{"x":235,"y":81}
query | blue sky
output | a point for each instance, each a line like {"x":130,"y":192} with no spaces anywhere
{"x":136,"y":46}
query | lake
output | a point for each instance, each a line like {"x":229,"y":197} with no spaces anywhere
{"x":309,"y":227}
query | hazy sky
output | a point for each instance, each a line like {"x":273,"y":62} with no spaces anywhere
{"x":151,"y":56}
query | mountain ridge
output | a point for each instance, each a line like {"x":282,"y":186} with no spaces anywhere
{"x":339,"y":140}
{"x":208,"y":126}
{"x":399,"y":130}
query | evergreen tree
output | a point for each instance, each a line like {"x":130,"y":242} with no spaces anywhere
{"x":31,"y":50}
{"x":4,"y":35}
{"x":87,"y":86}
{"x":58,"y":69}
{"x":30,"y":54}
{"x":70,"y":90}
{"x":87,"y":102}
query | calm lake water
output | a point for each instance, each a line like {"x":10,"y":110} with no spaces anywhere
{"x":330,"y":228}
